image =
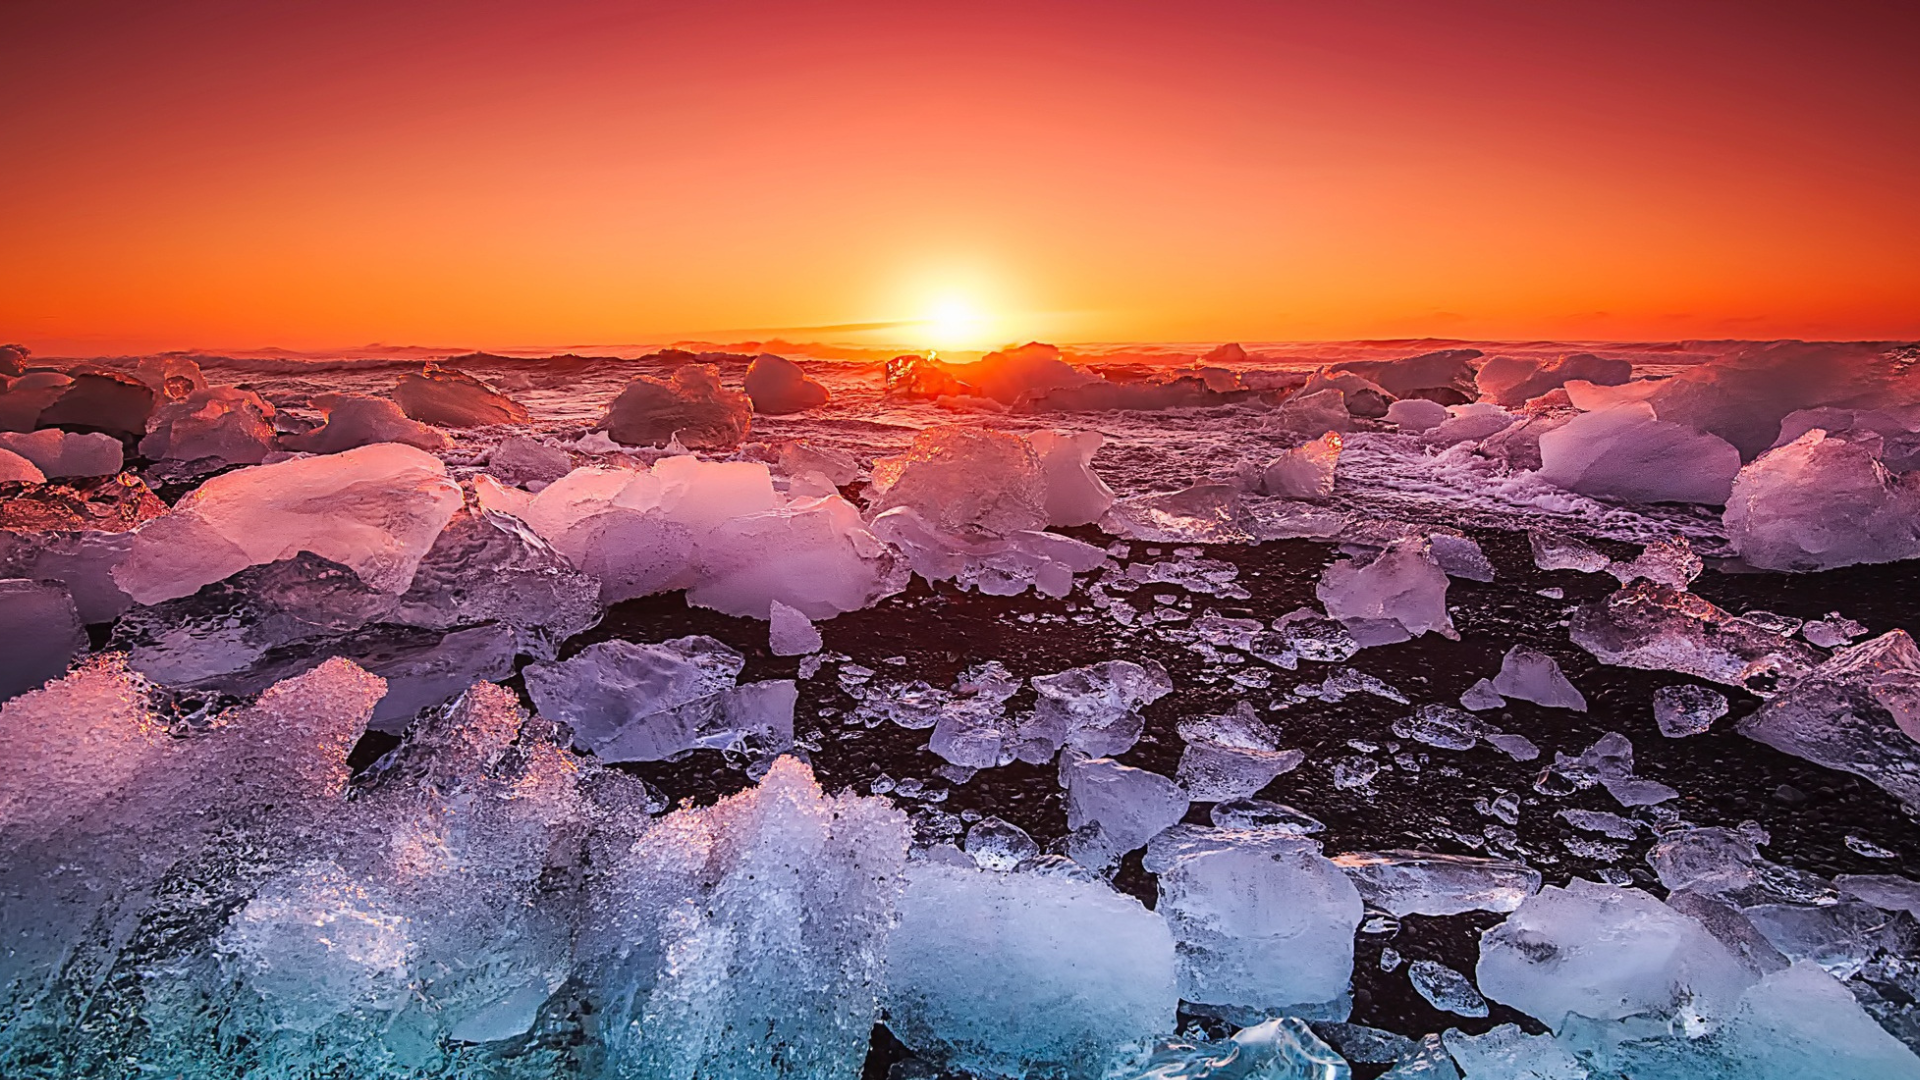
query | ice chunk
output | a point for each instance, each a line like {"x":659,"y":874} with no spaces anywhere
{"x":1075,"y":493}
{"x":1705,"y":860}
{"x":376,"y":510}
{"x":1023,"y":375}
{"x":1305,"y":472}
{"x":43,"y":634}
{"x":1415,"y":415}
{"x":448,"y":398}
{"x":631,"y":702}
{"x":1658,"y":628}
{"x":1262,"y":920}
{"x":1445,"y":376}
{"x":1841,"y":937}
{"x":1023,"y":974}
{"x":777,"y":385}
{"x":1308,"y":415}
{"x":212,"y":429}
{"x":1664,"y":562}
{"x":1858,"y":712}
{"x":1626,"y":453}
{"x":751,"y":936}
{"x":790,"y":632}
{"x":691,"y":407}
{"x":1599,"y":821}
{"x":1000,"y":845}
{"x":527,"y":462}
{"x":1507,"y":1053}
{"x":59,"y":454}
{"x":1283,"y":1048}
{"x":961,"y":478}
{"x":1231,"y":756}
{"x":1481,"y":697}
{"x":1833,"y":631}
{"x":1426,"y":883}
{"x":814,"y":555}
{"x":81,"y":560}
{"x":1095,"y":709}
{"x":1460,"y":556}
{"x":1606,"y":952}
{"x":796,"y":457}
{"x":1820,"y":502}
{"x":1687,"y":709}
{"x":355,"y":421}
{"x":1260,"y":814}
{"x":1400,"y":594}
{"x":1130,"y":806}
{"x":996,"y":565}
{"x":1553,"y":551}
{"x":1446,"y":989}
{"x":1441,"y":726}
{"x":15,"y":469}
{"x":1801,"y":1024}
{"x":1201,"y":514}
{"x":1361,"y":396}
{"x":108,"y":401}
{"x":1533,"y":676}
{"x":1468,"y":423}
{"x":488,"y":567}
{"x":1887,"y":892}
{"x":1513,"y":380}
{"x":1744,"y":397}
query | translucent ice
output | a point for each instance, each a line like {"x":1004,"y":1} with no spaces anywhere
{"x":1311,"y":415}
{"x":778,"y":386}
{"x":1512,"y":380}
{"x":961,"y":478}
{"x":1284,"y":1048}
{"x":1400,"y":594}
{"x":1705,"y":860}
{"x":1261,"y":918}
{"x":527,"y":462}
{"x":1445,"y":376}
{"x":1554,"y":551}
{"x":212,"y":428}
{"x":1231,"y":756}
{"x":790,"y":632}
{"x":376,"y":510}
{"x":1446,"y":989}
{"x":1625,"y":453}
{"x":1075,"y":493}
{"x":1528,"y":675}
{"x":103,"y":400}
{"x":1361,"y":396}
{"x":1415,"y":415}
{"x":43,"y":634}
{"x":1687,"y":709}
{"x":1468,"y":423}
{"x":1305,"y":472}
{"x":1658,"y":628}
{"x":1025,"y":974}
{"x":488,"y":567}
{"x":1858,"y":712}
{"x":996,"y":565}
{"x":444,"y":397}
{"x":1094,"y":709}
{"x":1820,"y":502}
{"x":1668,"y":562}
{"x":999,"y":845}
{"x":691,"y":407}
{"x":355,"y":421}
{"x":59,"y":454}
{"x":1129,"y":806}
{"x":16,"y":469}
{"x":1427,"y":883}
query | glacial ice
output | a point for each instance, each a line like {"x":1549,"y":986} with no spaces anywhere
{"x":1261,"y":919}
{"x":996,"y":565}
{"x":626,"y":701}
{"x":965,"y":478}
{"x":1468,"y":423}
{"x":999,"y":845}
{"x":1094,"y":709}
{"x":1658,"y":628}
{"x":1023,"y":974}
{"x":1446,"y":376}
{"x":1305,"y":472}
{"x":691,"y":408}
{"x":1361,"y":396}
{"x":1529,"y":675}
{"x":1819,"y":502}
{"x":1858,"y":712}
{"x":1231,"y":756}
{"x":1687,"y":709}
{"x":82,"y":560}
{"x":212,"y":429}
{"x":1126,"y":807}
{"x":16,"y":469}
{"x":1514,"y":380}
{"x":59,"y":454}
{"x":778,"y":386}
{"x":1400,"y":594}
{"x":1415,"y":415}
{"x":1554,"y":551}
{"x":1625,"y":453}
{"x":354,"y":420}
{"x":1311,"y":415}
{"x":108,"y":401}
{"x":444,"y":397}
{"x":525,"y":462}
{"x":1446,"y":989}
{"x":1075,"y":493}
{"x":43,"y":633}
{"x":1743,"y":397}
{"x":790,"y":632}
{"x":1283,"y":1048}
{"x":1669,"y":562}
{"x":1426,"y":883}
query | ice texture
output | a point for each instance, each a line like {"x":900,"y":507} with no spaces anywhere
{"x":690,"y":408}
{"x":965,"y":478}
{"x":777,"y":385}
{"x":1283,"y":1048}
{"x":790,"y":632}
{"x":444,"y":397}
{"x":42,"y":631}
{"x":1446,"y":376}
{"x":1514,"y":380}
{"x":1858,"y":712}
{"x":1231,"y":756}
{"x":107,"y":401}
{"x":354,"y":420}
{"x":212,"y":429}
{"x":1819,"y":502}
{"x":1529,"y":675}
{"x":1400,"y":594}
{"x":1311,"y":414}
{"x":488,"y":567}
{"x":1669,"y":562}
{"x":1075,"y":493}
{"x":527,"y":463}
{"x":996,"y":565}
{"x":626,"y":701}
{"x":82,"y":560}
{"x":1094,"y":709}
{"x":1606,"y":952}
{"x":1468,"y":423}
{"x":376,"y":510}
{"x":1554,"y":551}
{"x":1744,"y":396}
{"x":1426,"y":883}
{"x":1446,"y":989}
{"x":1261,"y":919}
{"x":1124,"y":806}
{"x":1626,"y":453}
{"x":1021,"y":974}
{"x":16,"y":469}
{"x":1415,"y":415}
{"x":999,"y":845}
{"x":60,"y":454}
{"x":1305,"y":472}
{"x":1659,"y":628}
{"x":1481,"y":697}
{"x":1687,"y":709}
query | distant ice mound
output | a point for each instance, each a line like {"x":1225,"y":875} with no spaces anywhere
{"x":1514,"y":380}
{"x":778,"y":386}
{"x":1035,"y":377}
{"x":1446,"y":376}
{"x":354,"y":420}
{"x":447,"y":398}
{"x":690,"y":407}
{"x":1744,"y":397}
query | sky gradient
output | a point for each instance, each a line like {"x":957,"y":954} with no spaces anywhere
{"x":235,"y":175}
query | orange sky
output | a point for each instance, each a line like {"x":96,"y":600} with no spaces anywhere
{"x":488,"y":174}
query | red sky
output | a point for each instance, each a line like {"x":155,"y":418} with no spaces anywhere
{"x":489,"y":174}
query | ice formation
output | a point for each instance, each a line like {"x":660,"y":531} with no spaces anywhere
{"x":1626,"y":453}
{"x":100,"y":399}
{"x":354,"y":420}
{"x":1261,"y":919}
{"x":1284,"y":1048}
{"x":1660,"y":628}
{"x":1310,"y":415}
{"x":212,"y":428}
{"x":1529,"y":675}
{"x":1113,"y":808}
{"x":16,"y":469}
{"x":1400,"y":594}
{"x":527,"y":463}
{"x":790,"y":632}
{"x":1447,"y":990}
{"x":1232,"y":756}
{"x":1305,"y":472}
{"x":691,"y":408}
{"x":1094,"y":709}
{"x":1819,"y":502}
{"x":1426,"y":883}
{"x":1075,"y":493}
{"x":444,"y":397}
{"x":42,"y":629}
{"x":1687,"y":709}
{"x":965,"y":478}
{"x":1415,"y":415}
{"x":777,"y":386}
{"x":1859,"y":712}
{"x":60,"y":454}
{"x":1445,"y":376}
{"x":1513,"y":380}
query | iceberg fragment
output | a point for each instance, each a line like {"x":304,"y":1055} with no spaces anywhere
{"x":691,"y":408}
{"x":1400,"y":594}
{"x":1625,"y":453}
{"x":444,"y":397}
{"x":1529,"y":675}
{"x":777,"y":386}
{"x":1858,"y":712}
{"x":1820,"y":502}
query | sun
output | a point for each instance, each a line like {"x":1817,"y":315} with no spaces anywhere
{"x":954,"y":323}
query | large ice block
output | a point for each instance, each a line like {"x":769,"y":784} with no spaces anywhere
{"x":691,"y":407}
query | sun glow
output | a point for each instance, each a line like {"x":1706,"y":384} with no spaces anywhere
{"x":953,"y":323}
